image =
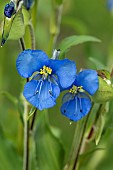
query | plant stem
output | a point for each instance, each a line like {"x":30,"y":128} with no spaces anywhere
{"x":80,"y":143}
{"x":77,"y":142}
{"x":33,"y":120}
{"x":26,"y":138}
{"x":26,"y":124}
{"x":32,"y":35}
{"x":22,"y":44}
{"x":54,"y":27}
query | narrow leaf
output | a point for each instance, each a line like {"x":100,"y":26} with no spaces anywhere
{"x":49,"y":150}
{"x":9,"y":97}
{"x":32,"y":111}
{"x":75,"y":40}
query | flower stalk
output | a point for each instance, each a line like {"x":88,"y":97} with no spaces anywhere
{"x":26,"y":138}
{"x":26,"y":124}
{"x":55,"y":22}
{"x":77,"y":143}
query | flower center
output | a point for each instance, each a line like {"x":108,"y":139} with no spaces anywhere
{"x":75,"y":89}
{"x":45,"y":71}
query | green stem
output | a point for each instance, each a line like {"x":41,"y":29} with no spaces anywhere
{"x":33,"y":120}
{"x":26,"y":124}
{"x":22,"y":44}
{"x":32,"y":35}
{"x":26,"y":138}
{"x":84,"y":125}
{"x":77,"y":143}
{"x":54,"y":27}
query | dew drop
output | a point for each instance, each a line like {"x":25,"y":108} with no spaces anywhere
{"x":70,"y":122}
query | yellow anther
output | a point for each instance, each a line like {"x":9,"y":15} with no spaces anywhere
{"x":73,"y":90}
{"x":45,"y":71}
{"x":76,"y":89}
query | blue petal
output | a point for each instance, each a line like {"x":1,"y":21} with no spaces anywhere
{"x":9,"y":9}
{"x":28,"y":3}
{"x":65,"y":70}
{"x":41,"y":94}
{"x":89,"y":80}
{"x":110,"y":4}
{"x":30,"y":61}
{"x":77,"y":107}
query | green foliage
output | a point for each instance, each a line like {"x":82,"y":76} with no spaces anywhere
{"x":9,"y":97}
{"x":79,"y":17}
{"x":49,"y":150}
{"x":14,"y":28}
{"x":74,"y":40}
{"x":9,"y":158}
{"x":100,"y":122}
{"x":59,"y":2}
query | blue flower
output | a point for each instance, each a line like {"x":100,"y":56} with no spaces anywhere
{"x":28,"y":3}
{"x":9,"y":9}
{"x":76,"y":102}
{"x":48,"y":76}
{"x":110,"y":4}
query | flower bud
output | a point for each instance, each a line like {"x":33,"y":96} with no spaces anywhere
{"x":105,"y":90}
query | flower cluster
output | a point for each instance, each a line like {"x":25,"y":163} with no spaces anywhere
{"x":48,"y":77}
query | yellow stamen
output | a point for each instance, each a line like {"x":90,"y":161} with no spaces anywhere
{"x":45,"y":71}
{"x":76,"y":89}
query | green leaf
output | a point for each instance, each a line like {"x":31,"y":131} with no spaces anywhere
{"x":32,"y":111}
{"x":75,"y":40}
{"x":14,"y":28}
{"x":49,"y":150}
{"x":76,"y":24}
{"x":26,"y":16}
{"x":97,"y":63}
{"x":17,"y":29}
{"x":100,"y":122}
{"x":9,"y":96}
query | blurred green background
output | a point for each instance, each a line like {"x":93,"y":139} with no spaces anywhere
{"x":80,"y":17}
